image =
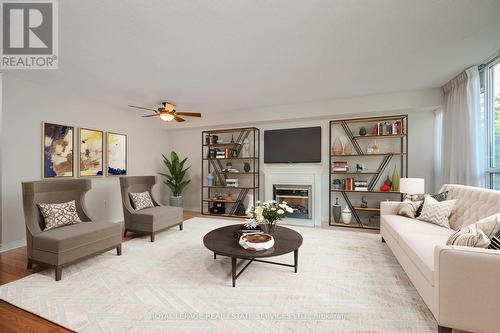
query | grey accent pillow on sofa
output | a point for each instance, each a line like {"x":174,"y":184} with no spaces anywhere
{"x":478,"y":234}
{"x":59,"y":214}
{"x":436,"y":212}
{"x":409,"y":208}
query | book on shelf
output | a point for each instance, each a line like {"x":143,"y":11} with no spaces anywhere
{"x":340,"y":167}
{"x":388,"y":128}
{"x":362,"y":188}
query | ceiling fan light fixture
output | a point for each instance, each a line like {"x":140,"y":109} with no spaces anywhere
{"x":169,"y":106}
{"x":166,"y":116}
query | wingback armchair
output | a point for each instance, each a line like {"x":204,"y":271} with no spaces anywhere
{"x":148,"y":220}
{"x":64,"y":245}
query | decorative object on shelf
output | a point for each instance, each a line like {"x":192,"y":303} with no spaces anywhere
{"x":336,"y":184}
{"x":268,"y":213}
{"x":373,"y":148}
{"x":256,"y":241}
{"x":348,"y":148}
{"x":349,"y":184}
{"x":246,"y":148}
{"x":220,"y":141}
{"x":337,"y":148}
{"x":57,"y":158}
{"x":362,"y":131}
{"x":361,"y":185}
{"x":232,"y":138}
{"x":412,"y":187}
{"x":232,"y":182}
{"x":336,"y":211}
{"x":246,"y":167}
{"x":374,"y":130}
{"x":117,"y":154}
{"x":210,"y":179}
{"x":388,"y":181}
{"x":228,"y":153}
{"x":218,"y":208}
{"x":213,"y":139}
{"x":90,"y":152}
{"x":364,"y":202}
{"x":385,"y":188}
{"x":346,"y":215}
{"x":229,"y":197}
{"x":395,"y":179}
{"x":175,"y":179}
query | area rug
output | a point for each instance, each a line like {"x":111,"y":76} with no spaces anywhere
{"x":347,"y":282}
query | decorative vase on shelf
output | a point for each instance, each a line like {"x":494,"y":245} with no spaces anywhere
{"x":210,"y":179}
{"x":246,"y":167}
{"x":337,"y":148}
{"x":336,"y":211}
{"x":348,"y":148}
{"x":395,"y":179}
{"x":362,"y":131}
{"x":346,"y":215}
{"x":388,"y":181}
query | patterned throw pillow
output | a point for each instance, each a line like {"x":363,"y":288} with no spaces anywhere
{"x":439,"y":197}
{"x":59,"y":215}
{"x":436,"y":212}
{"x":141,"y":200}
{"x":409,"y":208}
{"x":479,"y":234}
{"x":495,"y":242}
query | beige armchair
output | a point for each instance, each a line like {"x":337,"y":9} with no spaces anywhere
{"x":149,"y":220}
{"x":64,"y":245}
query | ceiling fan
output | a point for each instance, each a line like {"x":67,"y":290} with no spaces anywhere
{"x":168,"y":112}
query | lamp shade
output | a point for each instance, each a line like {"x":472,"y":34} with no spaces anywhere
{"x":412,"y":185}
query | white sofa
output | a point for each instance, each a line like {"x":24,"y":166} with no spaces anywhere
{"x":460,"y":285}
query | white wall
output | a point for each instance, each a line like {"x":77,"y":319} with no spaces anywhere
{"x":26,"y":105}
{"x":187,"y":142}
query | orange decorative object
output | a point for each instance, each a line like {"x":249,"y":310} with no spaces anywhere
{"x":348,"y":148}
{"x":337,"y":148}
{"x":385,"y":188}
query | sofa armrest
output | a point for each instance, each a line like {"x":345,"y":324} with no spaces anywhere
{"x":467,"y":288}
{"x":389,"y":207}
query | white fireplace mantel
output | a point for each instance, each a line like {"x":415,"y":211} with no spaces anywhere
{"x":296,"y":174}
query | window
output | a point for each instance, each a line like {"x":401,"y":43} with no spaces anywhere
{"x":490,"y":102}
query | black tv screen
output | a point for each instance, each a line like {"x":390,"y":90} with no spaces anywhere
{"x":293,"y":145}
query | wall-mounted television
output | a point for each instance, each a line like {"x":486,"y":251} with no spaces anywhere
{"x":293,"y":145}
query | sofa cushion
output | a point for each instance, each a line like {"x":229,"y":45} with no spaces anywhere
{"x":420,"y":248}
{"x":141,"y":200}
{"x":398,"y":225}
{"x":437,"y":212}
{"x":74,"y":236}
{"x":56,"y":215}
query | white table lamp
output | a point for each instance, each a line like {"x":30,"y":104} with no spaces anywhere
{"x":412,"y":187}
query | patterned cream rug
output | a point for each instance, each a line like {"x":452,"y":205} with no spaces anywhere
{"x":347,"y":282}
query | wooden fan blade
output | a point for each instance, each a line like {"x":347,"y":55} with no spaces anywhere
{"x":140,"y":107}
{"x":151,"y":115}
{"x":189,"y":114}
{"x":179,"y":119}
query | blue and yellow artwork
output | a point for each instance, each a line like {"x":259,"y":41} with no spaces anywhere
{"x":57,"y":150}
{"x":90,"y":147}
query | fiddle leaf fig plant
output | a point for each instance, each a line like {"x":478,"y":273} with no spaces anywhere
{"x":174,"y":179}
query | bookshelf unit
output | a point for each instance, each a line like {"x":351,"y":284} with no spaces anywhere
{"x":389,"y":135}
{"x":224,"y":155}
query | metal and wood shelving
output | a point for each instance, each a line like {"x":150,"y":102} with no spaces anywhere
{"x":240,"y":145}
{"x":393,"y":149}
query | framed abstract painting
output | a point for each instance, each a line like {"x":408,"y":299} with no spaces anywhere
{"x":57,"y":150}
{"x":90,"y":153}
{"x":117,"y":154}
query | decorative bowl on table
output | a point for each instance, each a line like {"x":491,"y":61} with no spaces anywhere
{"x":256,"y":241}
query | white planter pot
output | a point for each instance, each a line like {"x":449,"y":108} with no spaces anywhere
{"x":176,"y":201}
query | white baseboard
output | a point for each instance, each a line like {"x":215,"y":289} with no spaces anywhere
{"x":12,"y":245}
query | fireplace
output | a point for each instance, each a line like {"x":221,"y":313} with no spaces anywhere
{"x":298,"y":197}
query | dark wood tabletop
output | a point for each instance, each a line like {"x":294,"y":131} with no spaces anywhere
{"x":222,"y":241}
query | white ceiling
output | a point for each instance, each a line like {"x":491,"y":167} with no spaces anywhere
{"x":222,"y":55}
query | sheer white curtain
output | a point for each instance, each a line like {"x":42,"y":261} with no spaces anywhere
{"x":463,"y":131}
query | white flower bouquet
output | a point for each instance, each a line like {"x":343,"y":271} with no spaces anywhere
{"x":267,"y":213}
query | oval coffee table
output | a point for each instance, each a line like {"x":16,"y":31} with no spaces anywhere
{"x":221,"y":241}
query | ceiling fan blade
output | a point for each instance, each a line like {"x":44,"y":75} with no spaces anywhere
{"x":140,"y":107}
{"x":179,"y":119}
{"x":151,"y":115}
{"x":189,"y":114}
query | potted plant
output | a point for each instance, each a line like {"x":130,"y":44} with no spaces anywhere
{"x":268,"y":213}
{"x":175,"y":179}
